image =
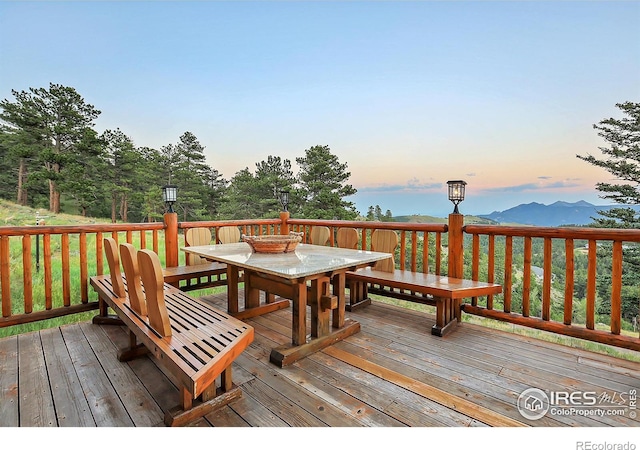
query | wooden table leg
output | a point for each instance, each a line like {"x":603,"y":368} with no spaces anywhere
{"x":339,"y":284}
{"x":251,"y":295}
{"x":299,"y":311}
{"x":232,"y":289}
{"x":319,"y":316}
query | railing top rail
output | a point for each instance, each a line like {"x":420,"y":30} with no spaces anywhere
{"x":84,"y":228}
{"x":224,"y":223}
{"x":409,"y":226}
{"x":605,"y":234}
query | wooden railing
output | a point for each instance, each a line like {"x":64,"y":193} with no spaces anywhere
{"x":412,"y":253}
{"x":70,"y":255}
{"x":597,"y":243}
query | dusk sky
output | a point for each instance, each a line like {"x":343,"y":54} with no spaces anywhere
{"x":503,"y":94}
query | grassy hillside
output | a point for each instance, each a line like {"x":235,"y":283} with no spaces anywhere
{"x":12,"y":214}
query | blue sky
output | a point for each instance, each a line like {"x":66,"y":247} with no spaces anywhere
{"x":409,"y":94}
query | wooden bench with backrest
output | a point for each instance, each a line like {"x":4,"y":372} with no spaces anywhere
{"x":440,"y":291}
{"x":194,"y":342}
{"x":198,"y":272}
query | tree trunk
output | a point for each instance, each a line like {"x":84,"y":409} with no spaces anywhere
{"x":22,"y":175}
{"x":54,"y":198}
{"x":123,"y":208}
{"x":113,"y":208}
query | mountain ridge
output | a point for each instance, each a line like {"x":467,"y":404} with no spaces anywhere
{"x":556,"y":214}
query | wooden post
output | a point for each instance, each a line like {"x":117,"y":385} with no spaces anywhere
{"x":456,"y":245}
{"x":284,"y":217}
{"x":171,"y":239}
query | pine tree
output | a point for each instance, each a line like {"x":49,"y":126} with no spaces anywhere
{"x":623,"y":162}
{"x":323,"y":185}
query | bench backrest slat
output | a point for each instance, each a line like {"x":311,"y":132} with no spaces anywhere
{"x":129,"y":260}
{"x":113,"y":260}
{"x":348,"y":238}
{"x":385,"y":241}
{"x":197,"y":236}
{"x":153,"y":281}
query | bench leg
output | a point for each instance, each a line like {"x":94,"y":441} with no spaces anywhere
{"x":190,"y":410}
{"x":447,"y":316}
{"x":103,"y":317}
{"x":133,"y":351}
{"x":358,"y":295}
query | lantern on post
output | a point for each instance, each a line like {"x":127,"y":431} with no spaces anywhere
{"x":456,"y":193}
{"x":284,"y":199}
{"x":169,"y":196}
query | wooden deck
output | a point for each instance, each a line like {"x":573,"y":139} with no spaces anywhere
{"x":393,"y":373}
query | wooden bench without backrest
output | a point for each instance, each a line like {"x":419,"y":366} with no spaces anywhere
{"x":198,"y":273}
{"x":440,"y":291}
{"x":194,"y":342}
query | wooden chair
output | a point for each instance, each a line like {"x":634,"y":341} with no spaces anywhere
{"x":320,"y":235}
{"x":385,"y":241}
{"x":348,"y":238}
{"x":197,"y":236}
{"x":228,"y":235}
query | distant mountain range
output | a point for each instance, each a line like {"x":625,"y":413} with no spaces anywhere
{"x":554,"y":215}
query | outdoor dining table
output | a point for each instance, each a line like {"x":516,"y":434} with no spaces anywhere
{"x":304,"y":276}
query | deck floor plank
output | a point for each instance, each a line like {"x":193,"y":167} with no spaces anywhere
{"x":384,"y":395}
{"x":140,"y":405}
{"x":72,"y":409}
{"x":104,"y":401}
{"x":323,"y":412}
{"x":71,"y":375}
{"x":36,"y":400}
{"x":9,"y":401}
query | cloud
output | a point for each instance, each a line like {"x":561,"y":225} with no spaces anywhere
{"x":533,"y":187}
{"x":413,"y":185}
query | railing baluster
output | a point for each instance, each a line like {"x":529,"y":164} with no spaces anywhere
{"x":616,"y":287}
{"x":425,"y":252}
{"x":84,"y":269}
{"x":438,"y":253}
{"x":414,"y":250}
{"x":491,"y":267}
{"x":546,"y":281}
{"x":5,"y":276}
{"x":48,"y":279}
{"x":568,"y":282}
{"x":99,"y":254}
{"x":27,"y":276}
{"x":403,"y":249}
{"x":66,"y":281}
{"x":591,"y":285}
{"x":143,"y":239}
{"x":526,"y":283}
{"x":508,"y":270}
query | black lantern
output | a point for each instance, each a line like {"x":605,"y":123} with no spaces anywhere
{"x":456,"y":193}
{"x":169,"y":196}
{"x":284,"y":199}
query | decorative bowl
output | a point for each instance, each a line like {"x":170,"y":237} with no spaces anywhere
{"x":274,"y":243}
